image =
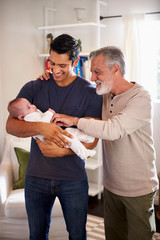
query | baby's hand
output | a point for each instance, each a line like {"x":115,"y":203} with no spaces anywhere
{"x":51,"y":110}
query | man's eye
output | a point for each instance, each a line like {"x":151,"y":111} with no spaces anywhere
{"x":62,"y":65}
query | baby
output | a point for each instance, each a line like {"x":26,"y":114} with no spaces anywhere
{"x":22,"y":109}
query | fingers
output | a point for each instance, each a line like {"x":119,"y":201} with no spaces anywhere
{"x":47,"y":141}
{"x":59,"y":115}
{"x":46,"y":75}
{"x":62,"y":140}
{"x":42,"y":146}
{"x":59,"y":123}
{"x":49,"y":148}
{"x":56,"y":119}
{"x":63,"y":121}
{"x":39,"y":142}
{"x":67,"y":134}
{"x":41,"y":77}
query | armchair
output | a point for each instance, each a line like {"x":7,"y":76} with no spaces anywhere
{"x":13,"y":217}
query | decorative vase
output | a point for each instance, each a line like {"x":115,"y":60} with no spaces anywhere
{"x":79,"y":14}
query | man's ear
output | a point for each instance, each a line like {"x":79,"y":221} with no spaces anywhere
{"x":115,"y":68}
{"x":21,"y":117}
{"x":76,"y":62}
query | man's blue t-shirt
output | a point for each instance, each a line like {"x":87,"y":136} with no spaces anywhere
{"x":77,"y":99}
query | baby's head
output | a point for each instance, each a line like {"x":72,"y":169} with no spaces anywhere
{"x":20,"y":107}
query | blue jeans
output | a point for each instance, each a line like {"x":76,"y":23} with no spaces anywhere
{"x":40,"y":195}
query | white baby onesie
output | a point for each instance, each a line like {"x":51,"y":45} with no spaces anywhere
{"x":78,"y":135}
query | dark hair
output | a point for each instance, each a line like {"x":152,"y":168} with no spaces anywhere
{"x":66,"y":44}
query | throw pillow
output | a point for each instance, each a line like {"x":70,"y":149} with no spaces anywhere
{"x":23,"y":157}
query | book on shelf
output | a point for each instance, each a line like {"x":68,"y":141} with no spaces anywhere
{"x":82,"y":69}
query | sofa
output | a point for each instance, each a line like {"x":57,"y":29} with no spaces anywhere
{"x":13,"y":217}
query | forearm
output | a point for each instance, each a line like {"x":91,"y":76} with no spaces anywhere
{"x":50,"y":149}
{"x":21,"y":128}
{"x":66,"y":152}
{"x":27,"y":129}
{"x":91,"y":145}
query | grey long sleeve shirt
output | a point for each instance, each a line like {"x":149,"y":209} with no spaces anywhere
{"x":129,"y":167}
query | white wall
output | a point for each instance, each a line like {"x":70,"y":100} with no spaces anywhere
{"x":21,"y":42}
{"x":1,"y":124}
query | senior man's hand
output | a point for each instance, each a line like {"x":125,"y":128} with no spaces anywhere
{"x":45,"y":75}
{"x":65,"y":120}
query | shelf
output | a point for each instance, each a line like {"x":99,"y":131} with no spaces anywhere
{"x":103,"y":3}
{"x":84,"y":54}
{"x":74,"y":25}
{"x":94,"y":190}
{"x":44,"y":55}
{"x":92,"y":164}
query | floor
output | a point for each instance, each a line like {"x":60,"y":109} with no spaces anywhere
{"x":95,"y":207}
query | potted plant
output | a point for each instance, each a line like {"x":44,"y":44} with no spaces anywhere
{"x":80,"y":43}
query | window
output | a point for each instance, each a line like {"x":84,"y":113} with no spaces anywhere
{"x":151,"y":58}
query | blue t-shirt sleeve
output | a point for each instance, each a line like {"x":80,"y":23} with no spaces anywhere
{"x":94,"y":108}
{"x":27,"y":92}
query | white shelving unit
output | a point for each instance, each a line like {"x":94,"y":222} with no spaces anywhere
{"x":93,"y":165}
{"x":94,"y":171}
{"x":96,"y":25}
{"x":84,"y":54}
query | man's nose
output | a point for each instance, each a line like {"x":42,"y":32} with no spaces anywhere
{"x":56,"y":69}
{"x":93,"y":77}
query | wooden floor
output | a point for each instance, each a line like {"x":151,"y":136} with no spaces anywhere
{"x":95,"y":207}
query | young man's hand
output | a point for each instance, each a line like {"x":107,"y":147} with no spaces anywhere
{"x":50,"y":149}
{"x":54,"y":133}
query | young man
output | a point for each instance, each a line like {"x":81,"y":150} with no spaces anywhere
{"x":129,"y":169}
{"x":61,"y":174}
{"x":22,"y":109}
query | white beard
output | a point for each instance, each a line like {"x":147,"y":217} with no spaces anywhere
{"x":104,"y":89}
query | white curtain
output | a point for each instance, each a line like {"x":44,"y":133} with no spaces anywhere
{"x":133,"y":44}
{"x":151,"y":49}
{"x":141,"y":43}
